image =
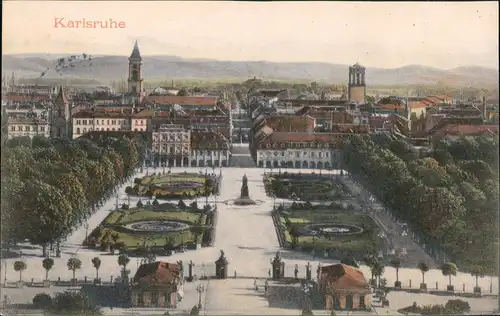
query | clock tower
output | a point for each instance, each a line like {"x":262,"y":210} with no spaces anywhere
{"x":135,"y":84}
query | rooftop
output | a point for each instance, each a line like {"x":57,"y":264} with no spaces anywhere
{"x":158,"y":272}
{"x":344,"y":276}
{"x":182,"y":100}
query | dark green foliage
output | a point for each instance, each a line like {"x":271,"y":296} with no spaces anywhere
{"x":59,"y":183}
{"x":449,"y":199}
{"x":70,"y":303}
{"x":42,"y":301}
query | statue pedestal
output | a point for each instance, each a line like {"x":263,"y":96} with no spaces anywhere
{"x":244,"y":201}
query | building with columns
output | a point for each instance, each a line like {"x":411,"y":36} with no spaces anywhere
{"x":357,"y":85}
{"x":171,"y":145}
{"x":209,"y":149}
{"x":300,"y":150}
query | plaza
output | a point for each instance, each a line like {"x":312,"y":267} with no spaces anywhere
{"x":248,"y":237}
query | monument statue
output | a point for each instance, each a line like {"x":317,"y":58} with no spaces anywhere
{"x":244,"y":198}
{"x":244,"y":187}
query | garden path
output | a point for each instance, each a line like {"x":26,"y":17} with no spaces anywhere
{"x":246,"y":234}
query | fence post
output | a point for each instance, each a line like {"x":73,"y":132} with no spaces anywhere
{"x":437,"y":286}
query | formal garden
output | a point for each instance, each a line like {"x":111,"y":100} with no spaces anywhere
{"x":155,"y":227}
{"x":174,"y":186}
{"x":335,"y":230}
{"x":305,"y":187}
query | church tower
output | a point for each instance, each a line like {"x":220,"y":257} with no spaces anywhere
{"x":357,"y":85}
{"x":61,"y":116}
{"x":135,"y":84}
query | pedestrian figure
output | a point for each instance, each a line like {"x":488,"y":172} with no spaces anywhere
{"x":235,"y":273}
{"x":269,"y":272}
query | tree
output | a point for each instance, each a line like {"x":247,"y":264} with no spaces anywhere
{"x":424,"y":268}
{"x":42,"y":301}
{"x":396,"y":264}
{"x":47,"y":264}
{"x":123,"y":260}
{"x":67,"y":303}
{"x":377,"y":270}
{"x":20,"y":266}
{"x":96,"y":262}
{"x":195,"y":311}
{"x":477,"y":272}
{"x":449,"y":269}
{"x":74,"y":264}
{"x":182,"y":92}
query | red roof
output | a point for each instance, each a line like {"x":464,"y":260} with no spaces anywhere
{"x":469,"y":129}
{"x":342,"y":276}
{"x":188,"y":100}
{"x":158,"y":272}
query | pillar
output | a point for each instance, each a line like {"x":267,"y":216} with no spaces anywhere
{"x":355,"y":301}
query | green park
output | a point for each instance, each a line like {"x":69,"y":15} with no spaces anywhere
{"x":334,"y":230}
{"x":155,"y":226}
{"x":173,"y":186}
{"x":305,"y":187}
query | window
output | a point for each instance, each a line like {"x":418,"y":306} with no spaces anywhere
{"x":84,"y":130}
{"x":13,"y":128}
{"x":313,"y":155}
{"x":135,"y":129}
{"x":326,"y":154}
{"x":297,"y":154}
{"x":26,"y":128}
{"x":33,"y":128}
{"x":108,"y":122}
{"x":113,"y":122}
{"x":84,"y":122}
{"x":320,"y":154}
{"x":43,"y":128}
{"x":19,"y":128}
{"x":78,"y":122}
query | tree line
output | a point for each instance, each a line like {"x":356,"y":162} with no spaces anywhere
{"x":52,"y":186}
{"x":448,"y":195}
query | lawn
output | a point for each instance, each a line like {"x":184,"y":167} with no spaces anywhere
{"x":173,"y":185}
{"x":297,"y":218}
{"x":312,"y":187}
{"x":113,"y":228}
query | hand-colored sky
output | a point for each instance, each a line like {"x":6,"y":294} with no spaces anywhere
{"x":442,"y":35}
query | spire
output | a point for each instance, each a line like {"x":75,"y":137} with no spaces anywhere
{"x":61,"y":96}
{"x":135,"y":52}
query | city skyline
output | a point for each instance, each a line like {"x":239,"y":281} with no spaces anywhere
{"x":390,"y":35}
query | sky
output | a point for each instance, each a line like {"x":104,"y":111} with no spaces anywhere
{"x":387,"y":35}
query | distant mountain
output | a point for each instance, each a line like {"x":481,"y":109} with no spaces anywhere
{"x":165,"y":67}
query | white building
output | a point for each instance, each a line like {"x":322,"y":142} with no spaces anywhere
{"x":299,"y":150}
{"x":112,"y":119}
{"x":209,"y":148}
{"x":171,"y":145}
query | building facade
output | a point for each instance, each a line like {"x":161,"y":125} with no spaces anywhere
{"x":345,"y":288}
{"x":171,"y":145}
{"x":300,"y":150}
{"x":209,"y":149}
{"x":157,"y":285}
{"x":112,"y":119}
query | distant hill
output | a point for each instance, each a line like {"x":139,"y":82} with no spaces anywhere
{"x":163,"y":67}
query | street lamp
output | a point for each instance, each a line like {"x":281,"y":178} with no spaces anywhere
{"x":200,"y":289}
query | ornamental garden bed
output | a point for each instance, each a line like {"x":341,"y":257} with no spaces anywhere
{"x":156,"y":226}
{"x":174,"y":186}
{"x":328,"y":228}
{"x":305,"y":187}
